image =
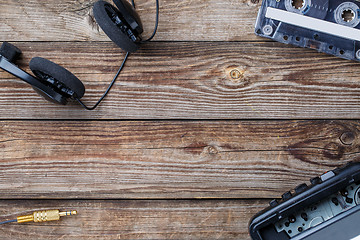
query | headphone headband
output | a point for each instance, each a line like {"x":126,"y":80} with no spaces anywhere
{"x":41,"y":88}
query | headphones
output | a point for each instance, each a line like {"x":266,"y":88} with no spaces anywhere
{"x":56,"y":84}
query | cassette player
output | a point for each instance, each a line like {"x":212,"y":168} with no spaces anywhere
{"x":328,"y":208}
{"x":329,"y":26}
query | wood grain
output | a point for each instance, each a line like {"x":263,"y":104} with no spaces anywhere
{"x":73,"y":20}
{"x":129,"y":171}
{"x":119,"y":219}
{"x":193,"y":81}
{"x":168,"y":159}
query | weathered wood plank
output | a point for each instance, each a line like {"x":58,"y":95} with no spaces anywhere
{"x":72,"y":20}
{"x":193,"y":81}
{"x":168,"y":159}
{"x":226,"y":219}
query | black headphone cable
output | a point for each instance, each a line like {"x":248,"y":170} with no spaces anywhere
{"x":108,"y":89}
{"x":124,"y":61}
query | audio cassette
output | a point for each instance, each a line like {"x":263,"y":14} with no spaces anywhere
{"x":329,"y":26}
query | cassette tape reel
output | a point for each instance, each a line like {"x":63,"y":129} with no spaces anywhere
{"x":329,"y":26}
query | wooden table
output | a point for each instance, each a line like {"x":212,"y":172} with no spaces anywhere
{"x":205,"y":125}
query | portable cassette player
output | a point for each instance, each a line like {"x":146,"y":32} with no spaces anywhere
{"x":327,"y":209}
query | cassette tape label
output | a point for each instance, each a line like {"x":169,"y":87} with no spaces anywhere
{"x":329,"y":26}
{"x":313,"y":24}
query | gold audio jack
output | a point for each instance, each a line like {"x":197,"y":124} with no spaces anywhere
{"x":41,"y":216}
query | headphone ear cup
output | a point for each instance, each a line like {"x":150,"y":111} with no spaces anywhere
{"x":57,"y":77}
{"x":130,"y":15}
{"x":117,"y":31}
{"x":10,"y":52}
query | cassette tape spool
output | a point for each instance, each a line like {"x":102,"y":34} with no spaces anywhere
{"x":329,"y":26}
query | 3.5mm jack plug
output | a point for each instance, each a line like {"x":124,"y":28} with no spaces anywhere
{"x":41,"y":216}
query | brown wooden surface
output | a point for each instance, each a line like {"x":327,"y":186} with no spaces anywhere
{"x":205,"y":125}
{"x":119,"y":219}
{"x":186,"y":20}
{"x":193,"y":80}
{"x":168,"y":159}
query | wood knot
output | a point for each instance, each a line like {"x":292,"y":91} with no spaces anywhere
{"x":201,"y":149}
{"x":212,"y":150}
{"x":347,"y":138}
{"x":236,"y":75}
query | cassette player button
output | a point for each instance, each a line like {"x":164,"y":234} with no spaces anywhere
{"x":286,"y":196}
{"x":273,"y":203}
{"x":327,"y":176}
{"x":301,"y":188}
{"x":315,"y":180}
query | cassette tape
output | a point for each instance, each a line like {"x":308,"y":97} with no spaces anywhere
{"x":329,"y":26}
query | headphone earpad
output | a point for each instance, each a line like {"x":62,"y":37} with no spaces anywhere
{"x":43,"y":69}
{"x":10,"y":52}
{"x":101,"y":12}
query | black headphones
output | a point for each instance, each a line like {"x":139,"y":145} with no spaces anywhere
{"x":56,"y":84}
